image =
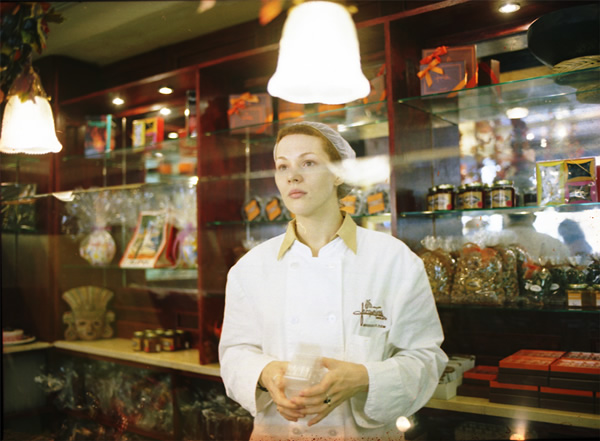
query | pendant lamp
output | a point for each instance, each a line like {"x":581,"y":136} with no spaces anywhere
{"x":28,"y":125}
{"x":319,"y":57}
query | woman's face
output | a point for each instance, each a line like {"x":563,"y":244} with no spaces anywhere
{"x":306,"y":185}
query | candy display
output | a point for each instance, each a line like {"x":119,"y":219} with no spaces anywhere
{"x":478,"y":276}
{"x":253,"y":209}
{"x":440,"y":267}
{"x":493,"y":270}
{"x":152,"y":243}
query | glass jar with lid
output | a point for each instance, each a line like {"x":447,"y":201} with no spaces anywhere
{"x":503,"y":194}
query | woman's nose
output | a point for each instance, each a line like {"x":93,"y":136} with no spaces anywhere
{"x":294,"y":176}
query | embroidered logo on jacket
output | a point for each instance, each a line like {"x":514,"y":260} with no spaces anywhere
{"x":369,"y":315}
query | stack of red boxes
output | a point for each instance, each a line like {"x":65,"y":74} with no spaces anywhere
{"x":549,"y":379}
{"x":476,"y":381}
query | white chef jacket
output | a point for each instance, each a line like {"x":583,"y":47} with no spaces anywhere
{"x":364,"y":299}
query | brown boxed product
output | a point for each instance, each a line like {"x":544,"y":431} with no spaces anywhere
{"x":567,"y":399}
{"x":568,"y":373}
{"x":252,"y":111}
{"x":525,"y":370}
{"x":473,"y":390}
{"x":451,"y":57}
{"x":518,"y":394}
{"x":597,"y":402}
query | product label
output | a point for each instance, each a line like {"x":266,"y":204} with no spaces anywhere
{"x":472,"y":199}
{"x":252,"y":210}
{"x":273,"y":209}
{"x":574,"y":298}
{"x":349,"y":204}
{"x":376,"y":203}
{"x":443,"y":201}
{"x":502,"y":198}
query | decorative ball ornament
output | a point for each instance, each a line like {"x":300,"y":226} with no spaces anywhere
{"x":98,"y":248}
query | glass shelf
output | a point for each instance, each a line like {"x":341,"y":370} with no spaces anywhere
{"x":354,"y":121}
{"x":566,"y":90}
{"x":377,"y":217}
{"x":565,"y":208}
{"x":474,"y":307}
{"x":185,"y":147}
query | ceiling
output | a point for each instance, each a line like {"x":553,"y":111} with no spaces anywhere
{"x":108,"y":31}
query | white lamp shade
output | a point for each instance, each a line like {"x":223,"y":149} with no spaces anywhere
{"x":28,"y":127}
{"x":319,"y":57}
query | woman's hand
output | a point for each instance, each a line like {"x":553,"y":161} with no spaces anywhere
{"x":272,"y":379}
{"x":342,"y":381}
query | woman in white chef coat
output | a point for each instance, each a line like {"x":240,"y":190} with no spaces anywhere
{"x":361,"y":297}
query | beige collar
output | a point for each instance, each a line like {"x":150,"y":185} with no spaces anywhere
{"x":347,"y":232}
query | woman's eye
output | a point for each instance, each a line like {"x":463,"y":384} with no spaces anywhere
{"x":309,"y":163}
{"x":281,"y":167}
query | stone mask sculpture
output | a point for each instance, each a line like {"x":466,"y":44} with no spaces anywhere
{"x":88,"y":318}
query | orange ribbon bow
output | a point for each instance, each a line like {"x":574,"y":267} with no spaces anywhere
{"x":239,"y":103}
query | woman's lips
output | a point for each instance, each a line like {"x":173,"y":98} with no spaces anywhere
{"x":296,"y":194}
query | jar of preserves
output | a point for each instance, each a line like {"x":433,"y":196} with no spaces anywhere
{"x":431,"y":198}
{"x":472,"y":196}
{"x":168,"y":340}
{"x":137,"y":341}
{"x":444,"y":198}
{"x":503,"y":194}
{"x":459,"y":196}
{"x":487,"y":196}
{"x":577,"y":295}
{"x":151,"y":342}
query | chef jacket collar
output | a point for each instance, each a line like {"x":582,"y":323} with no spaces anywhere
{"x":347,"y":232}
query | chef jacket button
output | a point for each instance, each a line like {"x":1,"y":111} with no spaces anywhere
{"x":331,"y":318}
{"x":331,"y":266}
{"x":333,"y":432}
{"x":294,"y":265}
{"x":296,"y":431}
{"x":295,"y":320}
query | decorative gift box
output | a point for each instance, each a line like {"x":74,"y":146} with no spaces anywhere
{"x":550,"y":176}
{"x":147,"y":131}
{"x":98,"y":131}
{"x":441,"y":69}
{"x":152,"y":243}
{"x":251,"y":110}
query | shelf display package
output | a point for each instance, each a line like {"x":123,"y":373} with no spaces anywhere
{"x":446,"y":69}
{"x":570,"y":181}
{"x":152,"y":243}
{"x":147,"y":131}
{"x":91,"y":211}
{"x":100,"y":135}
{"x":251,"y":109}
{"x":185,"y":247}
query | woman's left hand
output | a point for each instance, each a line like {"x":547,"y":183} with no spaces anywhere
{"x":341,"y":382}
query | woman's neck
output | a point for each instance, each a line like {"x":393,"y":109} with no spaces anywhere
{"x":318,"y":231}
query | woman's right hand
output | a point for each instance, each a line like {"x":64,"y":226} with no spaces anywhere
{"x":272,"y":379}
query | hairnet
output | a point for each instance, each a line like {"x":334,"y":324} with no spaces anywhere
{"x":340,"y":144}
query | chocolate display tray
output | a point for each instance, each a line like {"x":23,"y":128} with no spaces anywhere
{"x":477,"y":382}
